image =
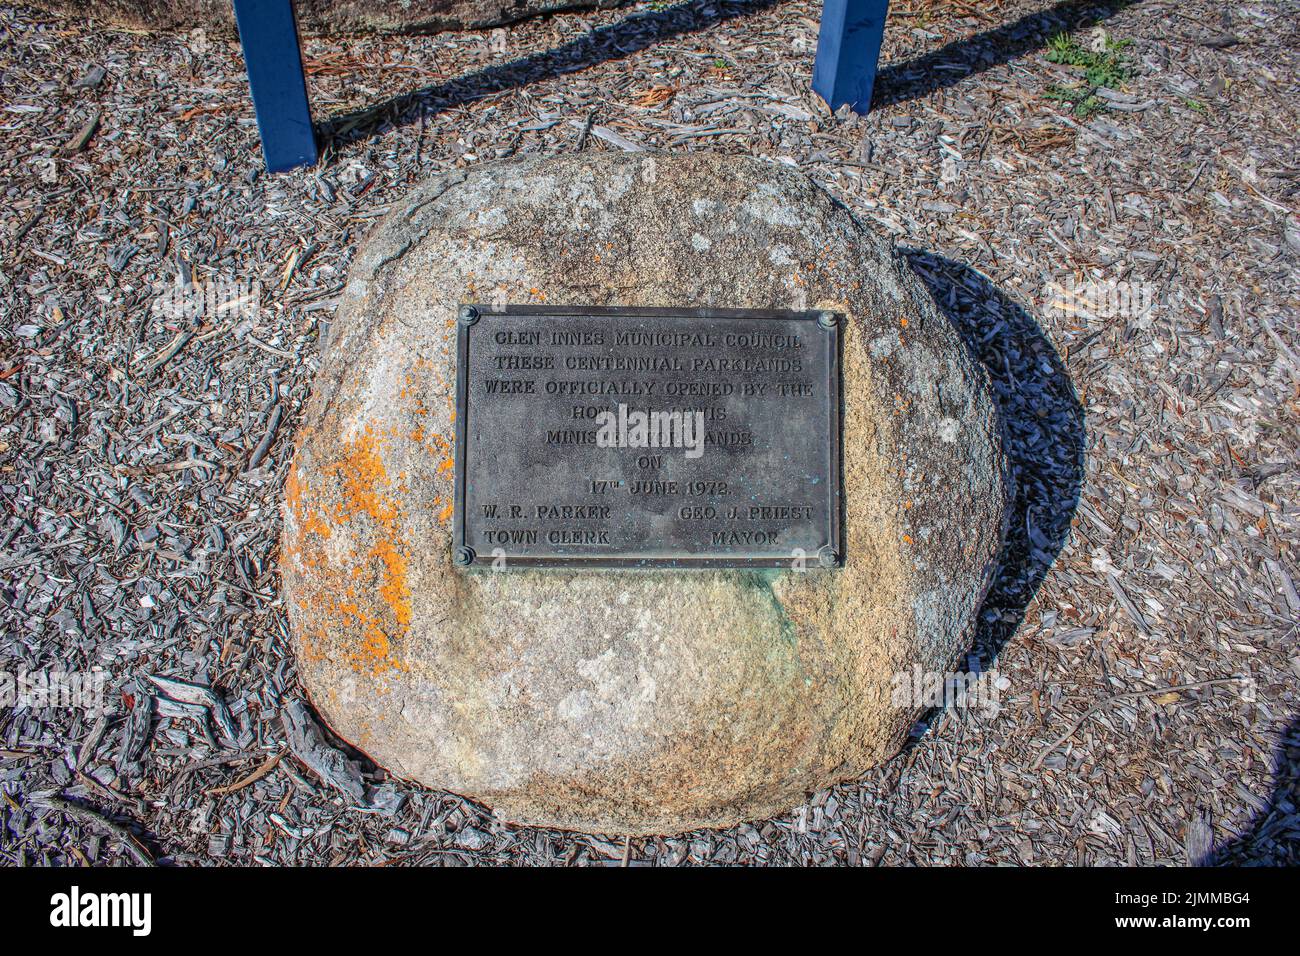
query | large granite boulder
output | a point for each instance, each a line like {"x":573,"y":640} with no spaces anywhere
{"x":631,"y":701}
{"x":320,"y":16}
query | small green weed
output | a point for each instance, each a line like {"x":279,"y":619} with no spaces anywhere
{"x":1108,"y":67}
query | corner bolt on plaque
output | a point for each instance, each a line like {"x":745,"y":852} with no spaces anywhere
{"x":647,"y":437}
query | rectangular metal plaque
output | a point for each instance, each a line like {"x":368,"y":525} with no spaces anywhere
{"x":647,"y":437}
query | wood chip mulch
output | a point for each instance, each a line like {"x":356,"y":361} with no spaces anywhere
{"x":1145,"y":615}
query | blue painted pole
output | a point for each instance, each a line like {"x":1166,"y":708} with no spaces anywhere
{"x":268,"y":33}
{"x":848,"y":46}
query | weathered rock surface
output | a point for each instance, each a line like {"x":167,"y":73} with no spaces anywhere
{"x":631,"y":701}
{"x":319,"y":17}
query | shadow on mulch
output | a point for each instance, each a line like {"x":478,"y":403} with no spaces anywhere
{"x":630,"y":35}
{"x":1043,"y":435}
{"x":954,"y":62}
{"x":1273,"y":838}
{"x":1045,"y":441}
{"x":895,"y":83}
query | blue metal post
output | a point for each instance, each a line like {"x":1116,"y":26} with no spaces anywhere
{"x":848,"y":46}
{"x":268,"y":33}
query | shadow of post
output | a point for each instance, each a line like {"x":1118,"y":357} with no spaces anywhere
{"x":955,"y":61}
{"x":1043,"y":435}
{"x":633,"y":33}
{"x":896,"y":82}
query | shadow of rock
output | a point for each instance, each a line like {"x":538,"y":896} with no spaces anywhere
{"x":1043,"y":435}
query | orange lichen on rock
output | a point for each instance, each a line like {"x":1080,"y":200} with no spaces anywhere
{"x":394,"y":590}
{"x":354,"y":486}
{"x":365,"y":481}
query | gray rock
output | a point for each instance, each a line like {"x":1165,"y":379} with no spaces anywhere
{"x":631,"y":701}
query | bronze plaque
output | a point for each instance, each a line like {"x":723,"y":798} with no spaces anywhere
{"x":645,"y":437}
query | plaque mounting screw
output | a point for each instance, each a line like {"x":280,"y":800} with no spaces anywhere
{"x":827,"y":557}
{"x":463,"y":556}
{"x":468,"y":315}
{"x":828,"y":320}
